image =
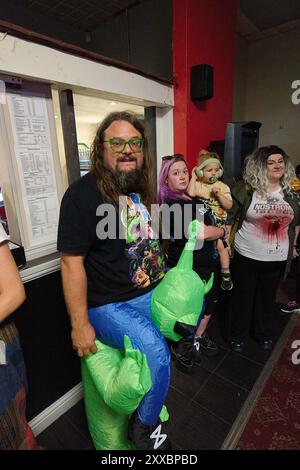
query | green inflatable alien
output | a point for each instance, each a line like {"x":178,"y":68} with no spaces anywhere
{"x":177,"y":301}
{"x":116,"y":381}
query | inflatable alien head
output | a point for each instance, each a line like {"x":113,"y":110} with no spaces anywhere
{"x":180,"y":295}
{"x":114,"y":383}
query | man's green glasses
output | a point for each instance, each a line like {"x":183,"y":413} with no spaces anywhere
{"x":118,"y":145}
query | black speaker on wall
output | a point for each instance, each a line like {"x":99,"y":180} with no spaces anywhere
{"x":202,"y":82}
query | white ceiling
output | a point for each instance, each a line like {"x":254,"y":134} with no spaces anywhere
{"x":91,"y":110}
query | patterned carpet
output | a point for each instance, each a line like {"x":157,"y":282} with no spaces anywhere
{"x":270,"y":419}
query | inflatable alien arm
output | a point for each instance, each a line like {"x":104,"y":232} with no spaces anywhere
{"x":121,"y":380}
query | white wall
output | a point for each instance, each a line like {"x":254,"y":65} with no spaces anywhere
{"x":86,"y":132}
{"x":35,"y":61}
{"x":272,"y":65}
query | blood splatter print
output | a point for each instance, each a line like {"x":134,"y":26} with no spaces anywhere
{"x":274,"y":228}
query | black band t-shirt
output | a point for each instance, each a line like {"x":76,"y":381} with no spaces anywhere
{"x":205,"y":258}
{"x":118,"y":268}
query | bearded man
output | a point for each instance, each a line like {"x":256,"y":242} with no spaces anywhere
{"x":99,"y":274}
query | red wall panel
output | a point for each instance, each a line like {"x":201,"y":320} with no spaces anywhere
{"x":203,"y":33}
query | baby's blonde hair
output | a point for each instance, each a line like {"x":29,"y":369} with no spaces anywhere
{"x":205,"y":155}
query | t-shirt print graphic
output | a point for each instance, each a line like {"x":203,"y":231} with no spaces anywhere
{"x":146,"y":260}
{"x":276,"y":215}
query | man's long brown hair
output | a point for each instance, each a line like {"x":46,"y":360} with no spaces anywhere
{"x":104,"y":177}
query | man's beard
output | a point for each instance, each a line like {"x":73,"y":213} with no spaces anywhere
{"x":128,"y":181}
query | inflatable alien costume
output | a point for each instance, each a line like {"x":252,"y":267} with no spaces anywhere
{"x":116,"y":381}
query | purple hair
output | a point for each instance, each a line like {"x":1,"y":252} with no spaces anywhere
{"x":164,"y":192}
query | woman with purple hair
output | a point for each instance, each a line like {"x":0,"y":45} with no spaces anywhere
{"x":182,"y":209}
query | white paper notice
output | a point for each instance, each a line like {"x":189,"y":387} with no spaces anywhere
{"x":32,"y":142}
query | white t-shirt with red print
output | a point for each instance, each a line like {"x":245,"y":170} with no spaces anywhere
{"x":264,"y":233}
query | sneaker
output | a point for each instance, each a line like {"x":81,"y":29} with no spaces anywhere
{"x":226,"y":282}
{"x":207,"y":345}
{"x":237,"y":347}
{"x":266,"y":345}
{"x":182,"y":351}
{"x":291,"y":307}
{"x":146,"y":437}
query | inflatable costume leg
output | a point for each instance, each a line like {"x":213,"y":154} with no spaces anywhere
{"x":132,"y":318}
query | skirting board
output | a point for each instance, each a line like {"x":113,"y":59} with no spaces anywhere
{"x":43,"y":420}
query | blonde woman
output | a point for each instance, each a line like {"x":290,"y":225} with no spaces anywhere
{"x":265,"y":214}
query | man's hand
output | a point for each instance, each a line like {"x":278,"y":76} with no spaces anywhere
{"x":83,"y":339}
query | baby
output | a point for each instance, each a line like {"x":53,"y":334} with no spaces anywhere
{"x":205,"y":184}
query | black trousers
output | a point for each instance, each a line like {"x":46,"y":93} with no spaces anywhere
{"x":253,"y":297}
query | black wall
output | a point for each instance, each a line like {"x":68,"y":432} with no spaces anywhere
{"x":43,"y":323}
{"x":140,"y":36}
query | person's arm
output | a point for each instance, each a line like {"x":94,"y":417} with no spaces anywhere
{"x":295,"y":252}
{"x":233,"y":213}
{"x":228,"y":240}
{"x":213,"y":233}
{"x":223,"y":200}
{"x":192,"y":189}
{"x":75,"y":291}
{"x":12,"y":293}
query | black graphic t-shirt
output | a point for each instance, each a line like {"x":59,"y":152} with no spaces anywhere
{"x":127,"y":263}
{"x":205,"y":254}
